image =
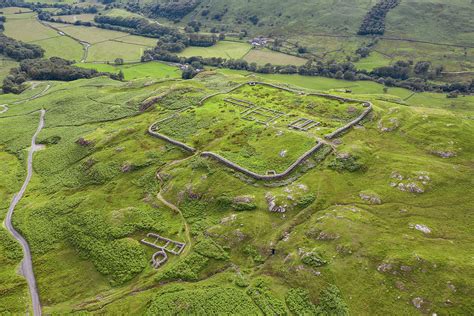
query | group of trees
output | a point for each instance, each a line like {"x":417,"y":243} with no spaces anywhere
{"x":71,"y":10}
{"x":374,"y":20}
{"x":170,"y":38}
{"x":54,"y":68}
{"x":171,"y":9}
{"x":19,"y":50}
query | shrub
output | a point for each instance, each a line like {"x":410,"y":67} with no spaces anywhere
{"x":187,"y":269}
{"x":313,"y":259}
{"x":210,"y":249}
{"x":331,"y":302}
{"x":299,"y":303}
{"x":306,"y":200}
{"x":203,"y":301}
{"x":265,"y":299}
{"x":342,"y":164}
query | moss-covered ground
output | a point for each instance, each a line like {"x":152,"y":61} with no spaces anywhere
{"x":380,"y":223}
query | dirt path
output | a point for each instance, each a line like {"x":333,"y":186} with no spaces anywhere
{"x":27,"y":265}
{"x":159,"y":196}
{"x":5,"y":106}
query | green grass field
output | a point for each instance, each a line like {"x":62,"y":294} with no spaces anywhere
{"x":77,"y":17}
{"x":264,"y":56}
{"x":88,"y":205}
{"x":223,"y":49}
{"x":29,"y":30}
{"x":135,"y":71}
{"x":107,"y":45}
{"x":379,"y":222}
{"x":373,"y":61}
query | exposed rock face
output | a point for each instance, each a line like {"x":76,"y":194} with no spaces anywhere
{"x":417,"y":302}
{"x":416,"y":184}
{"x":392,"y":125}
{"x":443,"y":154}
{"x":384,"y":267}
{"x":423,"y":228}
{"x":244,"y":199}
{"x":272,"y":206}
{"x":327,"y":236}
{"x":371,"y":198}
{"x":410,"y":187}
{"x":83,"y":142}
{"x":127,"y":167}
{"x":396,"y":175}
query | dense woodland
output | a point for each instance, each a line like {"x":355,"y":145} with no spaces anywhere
{"x":374,"y":21}
{"x":54,"y":68}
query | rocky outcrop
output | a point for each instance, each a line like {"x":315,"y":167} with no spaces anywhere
{"x":371,"y":198}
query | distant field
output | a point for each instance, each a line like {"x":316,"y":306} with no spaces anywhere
{"x":107,"y":45}
{"x":264,"y":56}
{"x":31,"y":31}
{"x":141,"y":70}
{"x":13,"y":11}
{"x":77,"y":17}
{"x":54,"y":1}
{"x":373,"y":61}
{"x":109,"y":50}
{"x":91,"y":35}
{"x":138,"y":40}
{"x":223,"y":49}
{"x":453,"y":58}
{"x":121,"y":12}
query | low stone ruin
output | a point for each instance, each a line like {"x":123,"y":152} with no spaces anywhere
{"x":272,"y":206}
{"x":303,"y":124}
{"x":163,"y":245}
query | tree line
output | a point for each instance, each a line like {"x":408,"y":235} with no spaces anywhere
{"x":374,"y":20}
{"x":54,"y":68}
{"x":402,"y":74}
{"x":170,"y":38}
{"x":18,"y":50}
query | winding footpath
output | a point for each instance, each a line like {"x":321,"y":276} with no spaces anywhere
{"x":27,"y":265}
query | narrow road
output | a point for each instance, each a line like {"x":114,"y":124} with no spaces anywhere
{"x":27,"y":265}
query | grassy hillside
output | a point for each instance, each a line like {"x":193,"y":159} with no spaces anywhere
{"x":383,"y":209}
